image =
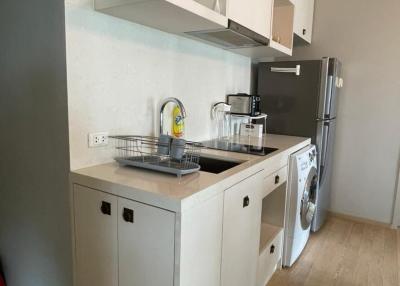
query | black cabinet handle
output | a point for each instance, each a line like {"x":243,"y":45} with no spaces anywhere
{"x":304,"y":31}
{"x":277,"y":178}
{"x":105,"y":208}
{"x":272,"y":249}
{"x":246,"y":201}
{"x":128,"y":215}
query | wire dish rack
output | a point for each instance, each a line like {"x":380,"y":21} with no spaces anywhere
{"x":164,"y":154}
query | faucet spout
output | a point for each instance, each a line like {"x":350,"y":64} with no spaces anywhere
{"x":164,"y":104}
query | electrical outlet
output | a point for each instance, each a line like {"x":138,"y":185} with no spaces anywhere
{"x":98,"y":139}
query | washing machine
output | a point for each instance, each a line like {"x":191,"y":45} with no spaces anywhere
{"x":300,"y":202}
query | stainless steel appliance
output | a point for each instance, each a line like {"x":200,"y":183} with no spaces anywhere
{"x":300,"y":98}
{"x":244,"y":104}
{"x":234,"y":37}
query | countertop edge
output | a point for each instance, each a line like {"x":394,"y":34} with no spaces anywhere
{"x":182,"y":204}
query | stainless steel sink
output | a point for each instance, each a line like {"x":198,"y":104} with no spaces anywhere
{"x":216,"y":165}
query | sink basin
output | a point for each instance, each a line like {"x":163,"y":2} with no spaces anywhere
{"x":216,"y":165}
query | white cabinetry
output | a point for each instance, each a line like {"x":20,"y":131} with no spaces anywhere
{"x":96,"y":238}
{"x":303,"y":20}
{"x":241,"y":232}
{"x":232,"y":238}
{"x":146,"y":244}
{"x":201,"y":243}
{"x":173,"y":16}
{"x":121,"y":242}
{"x":255,"y":15}
{"x":272,"y":225}
{"x":272,"y":19}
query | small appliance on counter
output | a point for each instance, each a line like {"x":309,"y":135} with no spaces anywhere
{"x":244,"y":104}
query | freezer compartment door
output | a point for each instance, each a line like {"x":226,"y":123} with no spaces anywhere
{"x":325,"y":146}
{"x":330,"y":85}
{"x":289,"y":93}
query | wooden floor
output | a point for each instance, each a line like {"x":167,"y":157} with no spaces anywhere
{"x":346,"y":253}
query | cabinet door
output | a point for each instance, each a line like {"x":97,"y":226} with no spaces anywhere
{"x":146,"y":237}
{"x":241,"y":232}
{"x":96,"y":250}
{"x":303,"y":19}
{"x":255,"y":15}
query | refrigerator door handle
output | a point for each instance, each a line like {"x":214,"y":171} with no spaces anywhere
{"x":323,"y":88}
{"x":324,"y":147}
{"x":295,"y":70}
{"x":329,"y":96}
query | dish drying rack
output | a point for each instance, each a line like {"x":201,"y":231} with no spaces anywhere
{"x":163,"y":154}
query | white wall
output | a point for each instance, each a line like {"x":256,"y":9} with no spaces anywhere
{"x":365,"y":36}
{"x":118,"y":72}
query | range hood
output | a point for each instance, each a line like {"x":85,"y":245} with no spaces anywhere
{"x":235,"y":36}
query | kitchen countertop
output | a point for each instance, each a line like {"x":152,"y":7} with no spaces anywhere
{"x":178,"y":194}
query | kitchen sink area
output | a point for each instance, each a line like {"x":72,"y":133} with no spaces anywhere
{"x":216,"y":165}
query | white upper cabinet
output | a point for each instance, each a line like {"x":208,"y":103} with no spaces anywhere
{"x":203,"y":20}
{"x":173,"y":16}
{"x":255,"y":15}
{"x":303,"y":20}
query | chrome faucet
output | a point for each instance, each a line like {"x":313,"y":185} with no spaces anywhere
{"x":164,"y":104}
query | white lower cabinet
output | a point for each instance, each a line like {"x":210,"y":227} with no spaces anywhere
{"x":270,"y":259}
{"x":119,"y":242}
{"x":96,"y":238}
{"x":145,"y":245}
{"x":218,"y":242}
{"x":241,"y":232}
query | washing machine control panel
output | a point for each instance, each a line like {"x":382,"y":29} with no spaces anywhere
{"x":308,"y":159}
{"x":312,"y":155}
{"x":304,"y":163}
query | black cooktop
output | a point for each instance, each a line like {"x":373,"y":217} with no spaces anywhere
{"x":238,"y":148}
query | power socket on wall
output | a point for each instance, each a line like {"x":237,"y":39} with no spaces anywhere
{"x":98,"y":139}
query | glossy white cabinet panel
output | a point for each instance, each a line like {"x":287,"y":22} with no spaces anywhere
{"x":303,"y":19}
{"x":146,"y":237}
{"x":96,"y":242}
{"x":255,"y":15}
{"x":241,"y":232}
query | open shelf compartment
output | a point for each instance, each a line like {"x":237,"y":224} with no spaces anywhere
{"x":268,"y":233}
{"x":282,"y":26}
{"x":273,"y":216}
{"x":271,"y":234}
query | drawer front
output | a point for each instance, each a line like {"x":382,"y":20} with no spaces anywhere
{"x":275,"y":163}
{"x":274,"y":180}
{"x":269,"y":259}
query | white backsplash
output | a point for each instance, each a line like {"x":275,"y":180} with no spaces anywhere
{"x":118,"y":72}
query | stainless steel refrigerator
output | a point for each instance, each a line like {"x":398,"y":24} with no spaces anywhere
{"x":300,"y":98}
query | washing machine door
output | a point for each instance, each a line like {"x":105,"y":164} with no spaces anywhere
{"x":308,"y":199}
